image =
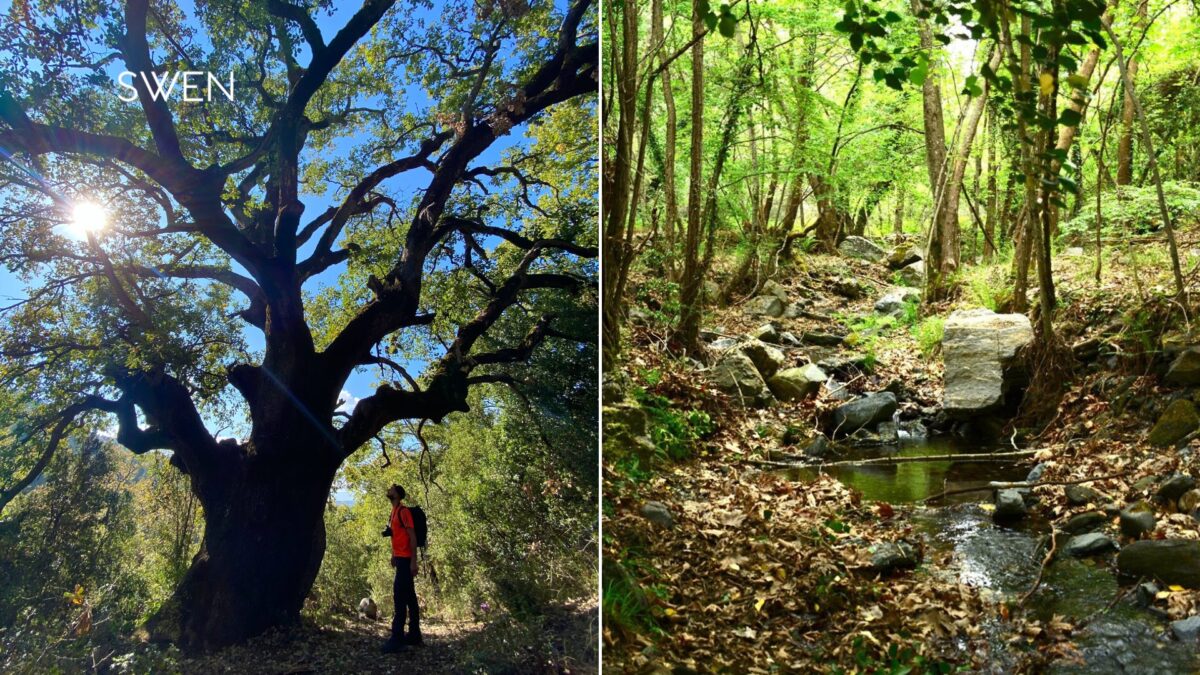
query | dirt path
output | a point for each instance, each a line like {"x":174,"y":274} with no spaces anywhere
{"x":451,"y":646}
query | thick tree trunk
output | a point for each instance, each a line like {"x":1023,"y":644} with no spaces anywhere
{"x":264,"y":540}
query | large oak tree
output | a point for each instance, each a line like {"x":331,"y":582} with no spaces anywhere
{"x":454,"y":147}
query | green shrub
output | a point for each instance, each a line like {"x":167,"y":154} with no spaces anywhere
{"x":910,"y":314}
{"x":674,"y":432}
{"x":929,"y":334}
{"x":1132,"y":209}
{"x":983,"y":291}
{"x":623,"y":600}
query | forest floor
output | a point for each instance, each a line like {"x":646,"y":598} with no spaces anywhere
{"x":760,"y":571}
{"x":351,"y":644}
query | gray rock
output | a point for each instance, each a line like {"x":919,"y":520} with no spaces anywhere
{"x":851,"y":289}
{"x":1136,"y":524}
{"x":638,"y":316}
{"x":903,"y":255}
{"x":792,"y":384}
{"x":1079,"y":495}
{"x":788,"y":339}
{"x":1141,"y":484}
{"x":979,"y":349}
{"x":611,"y":392}
{"x":1171,"y":561}
{"x":894,"y":300}
{"x":1092,"y":543}
{"x":849,"y":365}
{"x":838,"y":391}
{"x":735,"y":374}
{"x":767,"y":333}
{"x":912,"y":275}
{"x":766,"y":358}
{"x":1174,"y":487}
{"x":1186,"y":630}
{"x":819,"y":448}
{"x":865,"y":438}
{"x":1010,"y":505}
{"x":889,"y":432}
{"x":890,"y":556}
{"x":864,"y":412}
{"x":1145,"y":594}
{"x":772,"y":287}
{"x":1036,"y":473}
{"x":1084,"y":522}
{"x":822,"y":339}
{"x":723,"y":344}
{"x":658,"y":513}
{"x":1184,"y":371}
{"x":368,"y":609}
{"x":764,"y":305}
{"x":861,"y":248}
{"x":625,"y":433}
{"x":913,"y":431}
{"x":793,"y":310}
{"x":710,"y":290}
{"x":1189,"y":500}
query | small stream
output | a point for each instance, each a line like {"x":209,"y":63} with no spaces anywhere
{"x":1005,"y":559}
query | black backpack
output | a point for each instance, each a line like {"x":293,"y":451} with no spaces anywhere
{"x":420,"y":526}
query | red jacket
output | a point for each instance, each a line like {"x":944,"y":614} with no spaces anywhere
{"x":401,"y":519}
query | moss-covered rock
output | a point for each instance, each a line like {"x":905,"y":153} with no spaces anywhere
{"x":1185,"y":369}
{"x":1178,"y":420}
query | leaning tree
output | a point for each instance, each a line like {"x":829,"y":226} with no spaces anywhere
{"x":450,"y":151}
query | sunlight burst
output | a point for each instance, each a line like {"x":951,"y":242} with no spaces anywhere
{"x":88,"y":217}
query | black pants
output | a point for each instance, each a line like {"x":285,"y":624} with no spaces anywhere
{"x":404,"y":596}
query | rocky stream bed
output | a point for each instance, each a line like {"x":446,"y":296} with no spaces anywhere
{"x":1079,"y":553}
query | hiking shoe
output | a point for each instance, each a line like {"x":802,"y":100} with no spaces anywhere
{"x":414,"y":640}
{"x":393,"y":645}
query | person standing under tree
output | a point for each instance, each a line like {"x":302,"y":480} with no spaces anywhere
{"x":404,"y":558}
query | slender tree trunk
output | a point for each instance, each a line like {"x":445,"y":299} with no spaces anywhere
{"x":952,"y":191}
{"x":800,"y":139}
{"x":1148,"y":148}
{"x":898,"y":214}
{"x":670,"y":190}
{"x":935,"y":162}
{"x":1046,"y":293}
{"x":690,"y":282}
{"x":1066,"y":133}
{"x":990,"y":230}
{"x":1125,"y":142}
{"x":1024,"y":231}
{"x":616,"y":255}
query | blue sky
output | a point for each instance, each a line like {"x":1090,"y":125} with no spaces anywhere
{"x":363,"y":382}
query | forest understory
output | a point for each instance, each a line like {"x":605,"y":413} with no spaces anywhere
{"x":719,"y":558}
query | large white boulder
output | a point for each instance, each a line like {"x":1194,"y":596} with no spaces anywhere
{"x":979,"y":348}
